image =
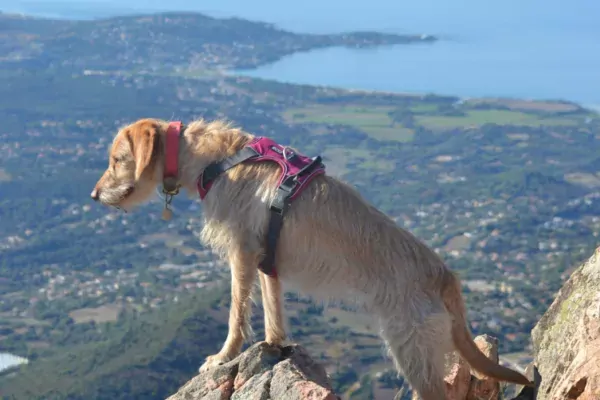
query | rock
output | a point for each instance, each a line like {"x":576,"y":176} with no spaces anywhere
{"x":566,"y":340}
{"x":255,"y":361}
{"x":458,"y":380}
{"x":462,"y":385}
{"x":215,"y":384}
{"x":299,"y":377}
{"x":262,"y":372}
{"x":483,"y":387}
{"x":524,"y":392}
{"x":256,"y":388}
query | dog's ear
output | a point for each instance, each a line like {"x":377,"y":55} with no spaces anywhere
{"x":146,"y":146}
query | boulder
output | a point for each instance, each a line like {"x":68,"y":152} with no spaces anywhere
{"x":464,"y":384}
{"x":483,"y":387}
{"x":566,"y":340}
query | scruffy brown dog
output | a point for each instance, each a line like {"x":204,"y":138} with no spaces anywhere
{"x":333,"y":245}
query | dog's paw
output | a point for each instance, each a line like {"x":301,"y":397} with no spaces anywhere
{"x":213,"y":361}
{"x":274,"y":342}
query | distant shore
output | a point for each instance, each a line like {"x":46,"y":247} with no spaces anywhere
{"x":202,"y":39}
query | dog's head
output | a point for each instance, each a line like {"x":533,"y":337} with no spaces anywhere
{"x":135,"y":165}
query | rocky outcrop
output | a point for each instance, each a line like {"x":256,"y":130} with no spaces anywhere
{"x":482,"y":387}
{"x":262,"y":372}
{"x":566,"y":340}
{"x":462,"y":383}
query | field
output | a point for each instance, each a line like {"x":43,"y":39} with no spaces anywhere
{"x":338,"y":159}
{"x":585,"y":179}
{"x":374,"y":121}
{"x":459,"y":242}
{"x":106,"y":313}
{"x":378,"y":122}
{"x":525,"y":105}
{"x":477,"y":118}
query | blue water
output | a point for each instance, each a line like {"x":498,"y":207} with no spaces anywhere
{"x":517,"y":48}
{"x":8,"y":360}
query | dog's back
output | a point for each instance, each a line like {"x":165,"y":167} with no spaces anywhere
{"x":334,"y":242}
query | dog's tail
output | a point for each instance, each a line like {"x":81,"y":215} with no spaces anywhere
{"x":453,"y":300}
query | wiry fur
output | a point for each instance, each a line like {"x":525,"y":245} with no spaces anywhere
{"x":333,"y":245}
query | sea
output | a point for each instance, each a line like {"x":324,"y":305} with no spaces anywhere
{"x":535,"y":49}
{"x":8,"y":360}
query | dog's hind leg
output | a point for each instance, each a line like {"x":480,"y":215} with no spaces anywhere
{"x":273,"y":307}
{"x":243,"y":274}
{"x":418,"y":347}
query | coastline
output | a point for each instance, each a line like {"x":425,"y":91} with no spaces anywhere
{"x":293,"y":44}
{"x":459,"y":98}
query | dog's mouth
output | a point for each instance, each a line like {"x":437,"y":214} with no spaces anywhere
{"x":127,"y":193}
{"x":115,"y":197}
{"x":125,"y":196}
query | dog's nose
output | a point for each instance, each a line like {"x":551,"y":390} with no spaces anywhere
{"x":95,"y":194}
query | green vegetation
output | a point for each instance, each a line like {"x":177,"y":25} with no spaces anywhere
{"x":106,"y":304}
{"x":390,"y":124}
{"x":374,"y":121}
{"x":477,"y":118}
{"x":127,"y":358}
{"x":341,"y":160}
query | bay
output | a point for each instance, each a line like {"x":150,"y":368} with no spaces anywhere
{"x":512,"y":48}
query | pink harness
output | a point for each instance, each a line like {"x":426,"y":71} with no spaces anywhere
{"x":297,"y":170}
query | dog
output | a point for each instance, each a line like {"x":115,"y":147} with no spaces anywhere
{"x":332,"y":245}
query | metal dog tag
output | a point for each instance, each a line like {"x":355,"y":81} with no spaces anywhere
{"x":167,"y":214}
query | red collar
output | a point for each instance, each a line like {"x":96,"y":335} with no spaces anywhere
{"x":172,"y":158}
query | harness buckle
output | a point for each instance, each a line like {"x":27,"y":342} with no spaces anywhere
{"x":280,"y":202}
{"x":288,"y":153}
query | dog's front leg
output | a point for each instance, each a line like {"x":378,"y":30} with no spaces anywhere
{"x":270,"y":288}
{"x":243,"y":273}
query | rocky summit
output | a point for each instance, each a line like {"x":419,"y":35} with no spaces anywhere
{"x":262,"y":372}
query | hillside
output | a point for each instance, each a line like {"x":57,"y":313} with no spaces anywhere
{"x":505,"y":189}
{"x":163,"y":41}
{"x":140,"y":357}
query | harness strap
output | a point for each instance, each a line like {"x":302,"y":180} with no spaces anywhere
{"x":217,"y":168}
{"x":278,"y":207}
